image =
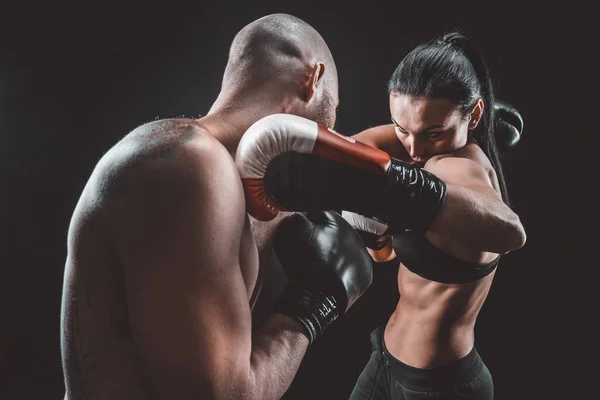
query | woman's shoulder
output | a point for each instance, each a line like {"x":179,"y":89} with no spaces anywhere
{"x":470,"y":151}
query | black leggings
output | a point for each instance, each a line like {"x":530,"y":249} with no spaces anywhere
{"x":386,"y":378}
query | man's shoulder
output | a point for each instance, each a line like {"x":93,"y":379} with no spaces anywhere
{"x":158,"y":153}
{"x":160,"y":138}
{"x":168,"y":141}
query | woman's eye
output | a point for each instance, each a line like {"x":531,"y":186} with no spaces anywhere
{"x":431,"y":135}
{"x":400,"y":130}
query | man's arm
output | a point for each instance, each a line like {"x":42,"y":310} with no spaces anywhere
{"x":178,"y":235}
{"x":473,"y":212}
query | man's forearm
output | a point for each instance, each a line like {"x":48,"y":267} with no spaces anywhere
{"x":277,"y":351}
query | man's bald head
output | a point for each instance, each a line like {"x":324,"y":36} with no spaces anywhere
{"x":277,"y":53}
{"x":274,"y":44}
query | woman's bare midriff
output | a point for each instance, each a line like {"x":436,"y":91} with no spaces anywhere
{"x":433,"y":324}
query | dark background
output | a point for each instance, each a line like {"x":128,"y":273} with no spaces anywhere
{"x":76,"y":77}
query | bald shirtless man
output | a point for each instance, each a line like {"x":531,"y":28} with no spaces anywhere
{"x":164,"y":263}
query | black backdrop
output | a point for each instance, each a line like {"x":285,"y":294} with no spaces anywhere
{"x":75,"y":78}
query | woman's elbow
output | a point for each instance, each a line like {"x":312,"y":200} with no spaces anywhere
{"x":515,"y":235}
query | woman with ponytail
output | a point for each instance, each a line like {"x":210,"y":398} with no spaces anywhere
{"x":446,"y":121}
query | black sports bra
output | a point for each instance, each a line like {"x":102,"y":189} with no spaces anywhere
{"x":421,"y":257}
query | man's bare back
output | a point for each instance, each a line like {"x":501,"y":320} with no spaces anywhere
{"x":98,"y":348}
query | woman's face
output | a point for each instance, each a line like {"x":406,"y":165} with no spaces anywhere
{"x":430,"y":126}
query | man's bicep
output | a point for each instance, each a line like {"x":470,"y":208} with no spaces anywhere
{"x":178,"y":242}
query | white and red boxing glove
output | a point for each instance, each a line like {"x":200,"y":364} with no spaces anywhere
{"x":290,"y":163}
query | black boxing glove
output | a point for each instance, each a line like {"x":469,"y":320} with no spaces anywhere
{"x":327,"y":265}
{"x":508,"y":125}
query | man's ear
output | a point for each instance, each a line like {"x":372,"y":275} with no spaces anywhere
{"x":312,"y":80}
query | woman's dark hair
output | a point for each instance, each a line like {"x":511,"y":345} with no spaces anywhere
{"x":452,"y":68}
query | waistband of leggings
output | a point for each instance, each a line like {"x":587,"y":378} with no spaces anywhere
{"x":445,"y":376}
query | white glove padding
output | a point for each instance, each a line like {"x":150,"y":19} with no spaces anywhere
{"x":362,"y":223}
{"x":371,"y":231}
